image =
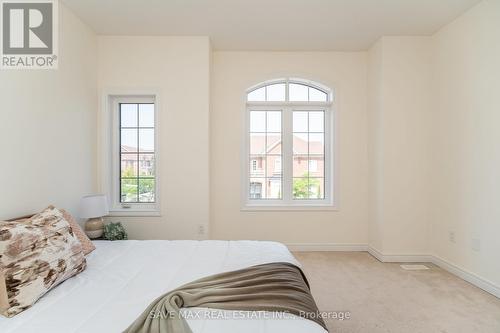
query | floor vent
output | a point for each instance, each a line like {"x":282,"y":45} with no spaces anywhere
{"x":414,"y":267}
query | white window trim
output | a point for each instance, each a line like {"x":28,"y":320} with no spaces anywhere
{"x":109,"y":165}
{"x":330,"y":168}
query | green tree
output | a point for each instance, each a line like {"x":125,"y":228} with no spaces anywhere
{"x":128,"y":172}
{"x":147,"y":186}
{"x":130,"y":188}
{"x":129,"y":184}
{"x":305,"y":187}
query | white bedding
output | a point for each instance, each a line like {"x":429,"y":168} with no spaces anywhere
{"x":123,"y":277}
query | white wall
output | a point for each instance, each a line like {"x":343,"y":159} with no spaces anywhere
{"x":399,"y":120}
{"x":375,"y":146}
{"x":433,"y":143}
{"x":177,"y":67}
{"x":466,"y":141}
{"x":47,"y":127}
{"x":233,"y":73}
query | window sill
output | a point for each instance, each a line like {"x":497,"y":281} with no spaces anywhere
{"x":284,"y":208}
{"x":134,"y":212}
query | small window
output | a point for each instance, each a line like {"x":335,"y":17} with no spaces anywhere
{"x":277,"y":165}
{"x":255,"y":190}
{"x":313,"y":165}
{"x":254,"y":165}
{"x":137,"y":152}
{"x":290,"y":145}
{"x":134,"y":172}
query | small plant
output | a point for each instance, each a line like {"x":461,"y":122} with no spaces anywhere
{"x":115,"y":231}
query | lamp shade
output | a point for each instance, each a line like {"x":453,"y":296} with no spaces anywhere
{"x":94,"y":206}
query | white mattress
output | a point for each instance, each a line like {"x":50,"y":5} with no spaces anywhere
{"x":123,"y":277}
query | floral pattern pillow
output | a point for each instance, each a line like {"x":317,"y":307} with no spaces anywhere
{"x":36,"y":256}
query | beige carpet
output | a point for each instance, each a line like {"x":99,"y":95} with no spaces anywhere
{"x":385,"y":298}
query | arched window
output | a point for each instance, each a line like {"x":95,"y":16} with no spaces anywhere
{"x":289,"y":145}
{"x":293,"y":90}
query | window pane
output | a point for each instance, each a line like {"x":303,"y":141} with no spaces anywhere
{"x":147,"y":165}
{"x":128,"y":115}
{"x":317,"y":166}
{"x":257,"y":166}
{"x":276,"y":92}
{"x":257,"y":121}
{"x":273,"y":121}
{"x":129,"y":190}
{"x":316,"y":143}
{"x":298,"y":92}
{"x":273,"y":144}
{"x":300,"y":166}
{"x":300,"y":188}
{"x":316,"y":95}
{"x":257,"y":143}
{"x":146,"y":190}
{"x":146,"y":140}
{"x":316,"y":121}
{"x":146,"y":115}
{"x":273,"y":166}
{"x":129,"y":165}
{"x":316,"y":188}
{"x":258,"y":95}
{"x":257,"y":188}
{"x":273,"y":188}
{"x":128,"y":139}
{"x":300,"y":123}
{"x":300,"y":143}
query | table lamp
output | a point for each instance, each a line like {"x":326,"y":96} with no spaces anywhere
{"x":94,"y":207}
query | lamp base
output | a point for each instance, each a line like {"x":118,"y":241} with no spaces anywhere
{"x":94,"y":228}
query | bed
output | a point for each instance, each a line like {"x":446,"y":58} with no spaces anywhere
{"x":123,"y":277}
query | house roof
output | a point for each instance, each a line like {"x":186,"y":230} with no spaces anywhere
{"x":258,"y":142}
{"x":132,"y":156}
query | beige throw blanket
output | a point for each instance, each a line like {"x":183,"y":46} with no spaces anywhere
{"x":275,"y":287}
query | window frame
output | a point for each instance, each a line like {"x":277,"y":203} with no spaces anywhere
{"x":287,"y":107}
{"x":110,"y":180}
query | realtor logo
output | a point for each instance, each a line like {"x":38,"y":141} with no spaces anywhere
{"x":29,"y":34}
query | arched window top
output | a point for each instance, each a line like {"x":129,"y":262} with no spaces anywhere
{"x":289,"y":90}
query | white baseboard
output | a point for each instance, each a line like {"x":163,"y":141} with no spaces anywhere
{"x":311,"y":247}
{"x":470,"y":277}
{"x":440,"y":262}
{"x":383,"y":257}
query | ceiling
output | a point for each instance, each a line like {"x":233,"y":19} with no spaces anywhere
{"x":342,"y":25}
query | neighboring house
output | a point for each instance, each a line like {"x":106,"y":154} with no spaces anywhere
{"x":137,"y":171}
{"x":266,"y":165}
{"x":135,"y":162}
